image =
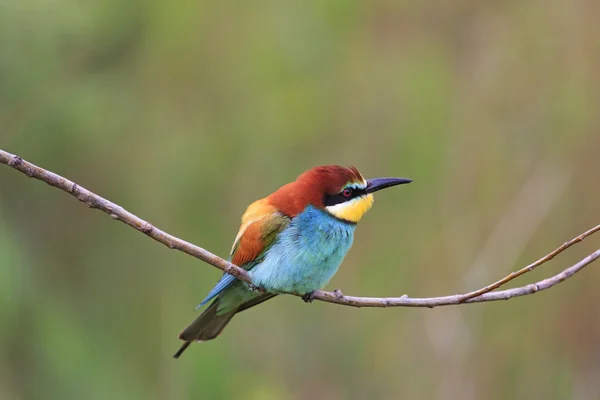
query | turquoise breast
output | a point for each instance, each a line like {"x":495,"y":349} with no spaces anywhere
{"x":306,"y":254}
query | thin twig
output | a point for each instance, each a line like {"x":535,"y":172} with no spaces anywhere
{"x":117,"y":212}
{"x":431,"y":302}
{"x":530,"y":267}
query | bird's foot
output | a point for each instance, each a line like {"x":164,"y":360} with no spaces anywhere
{"x":254,"y":288}
{"x":308,"y":297}
{"x":338,"y":294}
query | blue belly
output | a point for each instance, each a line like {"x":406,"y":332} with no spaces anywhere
{"x":306,"y":254}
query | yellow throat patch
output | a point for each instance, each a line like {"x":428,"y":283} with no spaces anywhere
{"x":353,"y":210}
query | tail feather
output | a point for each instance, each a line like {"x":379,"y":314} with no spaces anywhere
{"x":181,"y":349}
{"x":209,"y":325}
{"x":206,"y":327}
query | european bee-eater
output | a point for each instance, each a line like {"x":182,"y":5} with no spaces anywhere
{"x":292,"y":241}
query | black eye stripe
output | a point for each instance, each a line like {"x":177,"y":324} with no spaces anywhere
{"x":340,"y":198}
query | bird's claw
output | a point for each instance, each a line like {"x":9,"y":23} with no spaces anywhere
{"x":308,"y":297}
{"x":254,"y":288}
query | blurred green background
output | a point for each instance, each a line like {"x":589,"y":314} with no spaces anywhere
{"x":185,"y":112}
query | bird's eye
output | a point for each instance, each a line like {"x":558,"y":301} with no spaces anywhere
{"x":347,"y":192}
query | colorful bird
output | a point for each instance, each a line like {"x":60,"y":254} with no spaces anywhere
{"x":292,"y":241}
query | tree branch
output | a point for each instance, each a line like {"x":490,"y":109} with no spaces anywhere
{"x":117,"y":212}
{"x":529,"y":267}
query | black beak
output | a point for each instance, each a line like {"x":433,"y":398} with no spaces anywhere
{"x":376,"y":184}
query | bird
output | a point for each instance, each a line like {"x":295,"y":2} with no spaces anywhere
{"x":292,"y":241}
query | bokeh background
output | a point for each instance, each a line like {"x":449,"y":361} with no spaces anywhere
{"x":185,"y":112}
